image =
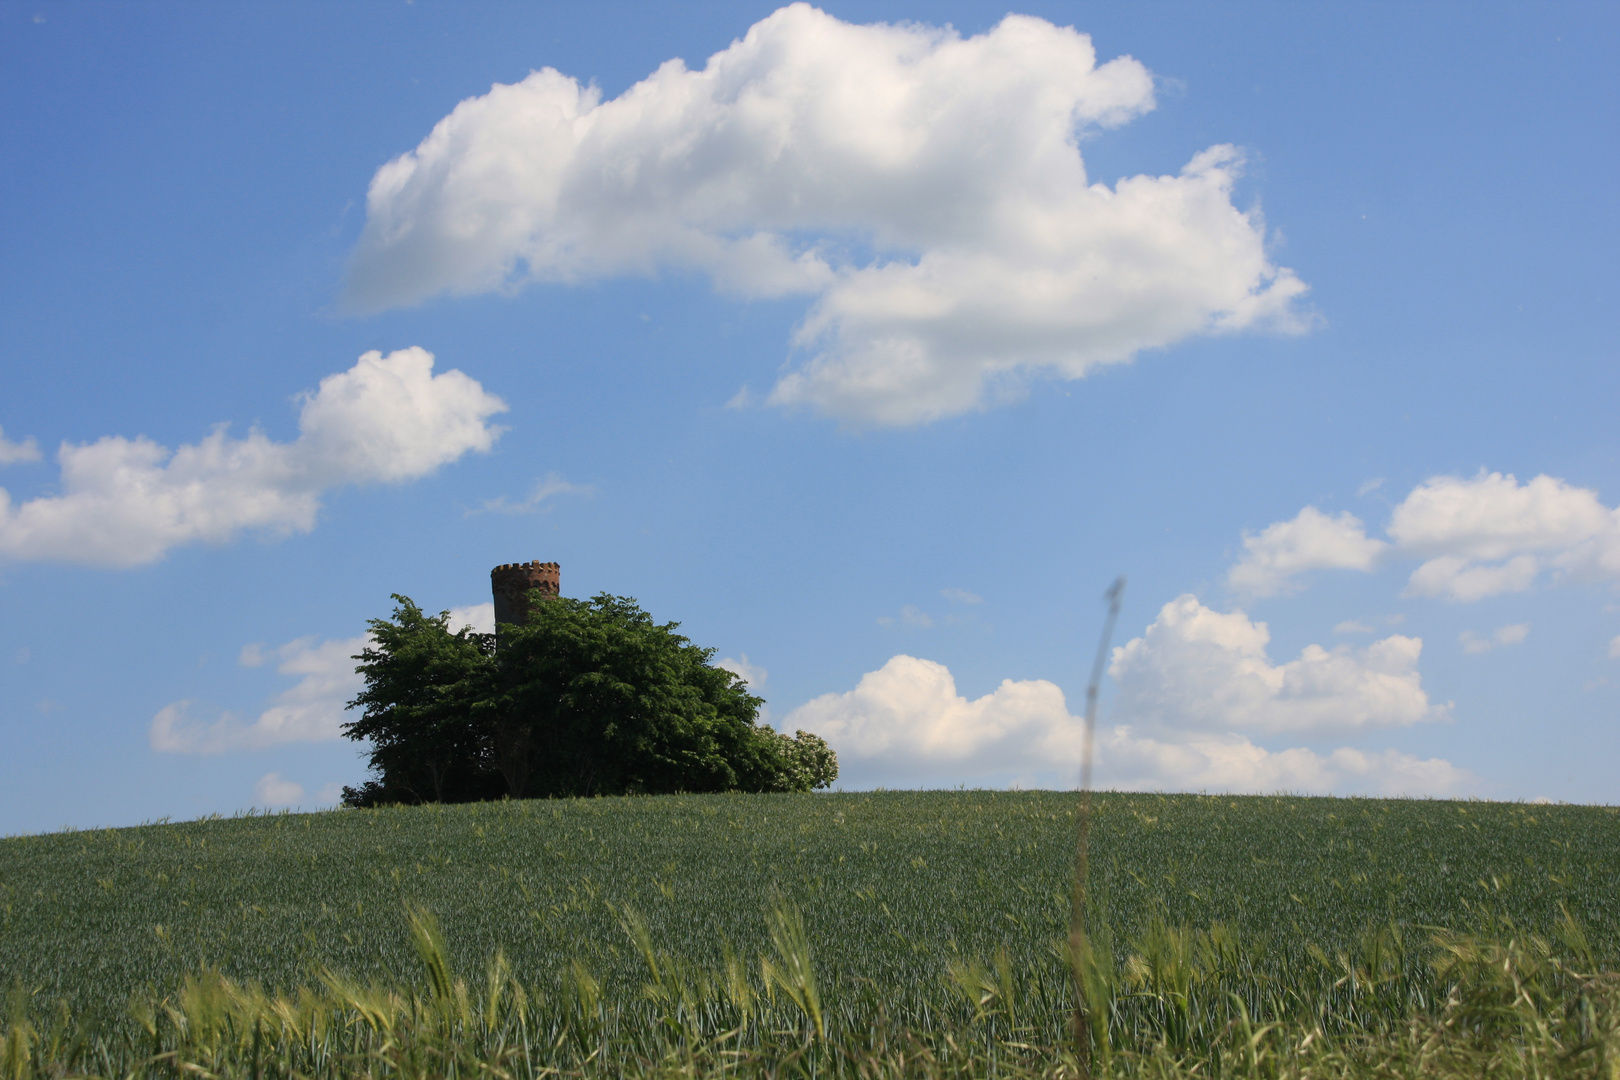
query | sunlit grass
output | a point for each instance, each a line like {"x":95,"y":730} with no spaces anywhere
{"x":736,"y":931}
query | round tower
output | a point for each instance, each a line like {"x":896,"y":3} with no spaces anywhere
{"x":511,"y":582}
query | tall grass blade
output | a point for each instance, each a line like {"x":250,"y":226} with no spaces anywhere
{"x":1082,"y":859}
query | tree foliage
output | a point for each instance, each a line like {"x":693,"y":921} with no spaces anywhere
{"x":590,"y":697}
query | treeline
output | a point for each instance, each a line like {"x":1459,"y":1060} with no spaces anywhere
{"x":589,"y":697}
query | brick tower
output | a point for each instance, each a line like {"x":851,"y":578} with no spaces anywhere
{"x":511,"y":582}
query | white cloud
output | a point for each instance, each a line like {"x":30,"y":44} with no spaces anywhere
{"x":1277,"y":554}
{"x":748,"y":672}
{"x":961,"y":596}
{"x":1200,"y":670}
{"x":1354,"y":626}
{"x":12,"y":452}
{"x":1453,"y":577}
{"x":1477,"y":538}
{"x":480,"y":617}
{"x":547,"y":487}
{"x":1511,"y":634}
{"x":907,"y":719}
{"x":906,"y":723}
{"x":1233,"y":763}
{"x":273,"y":790}
{"x":312,"y":710}
{"x":126,"y":502}
{"x":1614,"y":648}
{"x":1491,"y":535}
{"x":911,"y":616}
{"x":926,"y":190}
{"x":1493,"y":516}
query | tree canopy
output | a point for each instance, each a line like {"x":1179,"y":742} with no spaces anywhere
{"x":589,"y":697}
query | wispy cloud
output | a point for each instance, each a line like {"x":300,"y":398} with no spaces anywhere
{"x":749,"y":672}
{"x":14,"y":452}
{"x":273,"y":790}
{"x":312,"y":710}
{"x":547,"y":487}
{"x":1511,"y":634}
{"x":911,"y":616}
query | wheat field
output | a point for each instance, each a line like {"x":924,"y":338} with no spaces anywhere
{"x":831,"y":915}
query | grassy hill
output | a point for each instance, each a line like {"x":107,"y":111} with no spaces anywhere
{"x":910,"y":900}
{"x":892,"y":884}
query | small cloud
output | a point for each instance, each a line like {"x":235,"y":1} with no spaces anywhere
{"x":1595,"y":683}
{"x":12,"y":452}
{"x":330,"y":794}
{"x":1476,"y":538}
{"x":1511,"y":634}
{"x":749,"y":672}
{"x":272,"y":790}
{"x":480,"y":618}
{"x":1370,"y":486}
{"x":1614,"y":648}
{"x":1351,"y":626}
{"x":545,"y":488}
{"x":47,"y":706}
{"x":1395,"y":619}
{"x":312,"y":710}
{"x":961,"y":596}
{"x":127,"y":502}
{"x":742,"y":399}
{"x":22,"y":655}
{"x":1277,"y":556}
{"x":911,"y":617}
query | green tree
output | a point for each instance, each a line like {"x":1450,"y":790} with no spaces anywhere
{"x":424,"y":710}
{"x":590,"y":697}
{"x":598,"y":699}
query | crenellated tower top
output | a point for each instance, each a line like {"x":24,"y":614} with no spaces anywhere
{"x":512,"y":582}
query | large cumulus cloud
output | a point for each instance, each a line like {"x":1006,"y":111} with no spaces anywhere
{"x":1198,"y":700}
{"x":1199,"y":669}
{"x":925,"y":191}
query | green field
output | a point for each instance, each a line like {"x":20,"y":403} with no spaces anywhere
{"x":907,"y":898}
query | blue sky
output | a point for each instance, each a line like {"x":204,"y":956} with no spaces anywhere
{"x":868,"y":353}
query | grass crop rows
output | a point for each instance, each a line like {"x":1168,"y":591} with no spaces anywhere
{"x":677,"y":921}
